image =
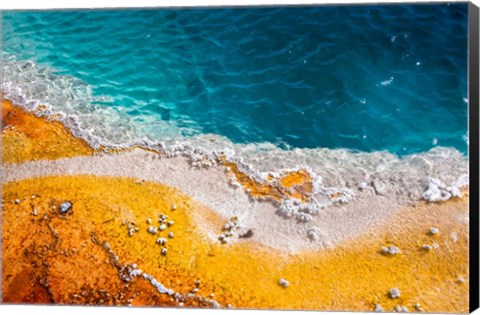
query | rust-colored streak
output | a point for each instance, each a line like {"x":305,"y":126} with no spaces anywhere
{"x":26,"y":137}
{"x":26,"y":288}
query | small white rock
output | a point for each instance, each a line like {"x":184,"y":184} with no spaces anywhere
{"x":152,"y":230}
{"x":161,"y":241}
{"x":284,"y":283}
{"x":378,"y":308}
{"x":174,"y":207}
{"x":304,"y":217}
{"x":401,"y":309}
{"x":394,"y":293}
{"x":164,"y":251}
{"x":170,"y":234}
{"x":418,"y":307}
{"x":17,"y":201}
{"x":228,"y":226}
{"x":170,"y":223}
{"x":392,"y":250}
{"x":162,"y":227}
{"x":65,"y":207}
{"x":149,"y":221}
{"x":363,"y":185}
{"x":427,"y":247}
{"x":434,"y":231}
{"x":313,"y":234}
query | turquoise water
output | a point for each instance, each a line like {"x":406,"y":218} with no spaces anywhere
{"x":366,"y":78}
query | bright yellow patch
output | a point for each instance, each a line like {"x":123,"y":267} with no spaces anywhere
{"x":354,"y":276}
{"x":297,"y":184}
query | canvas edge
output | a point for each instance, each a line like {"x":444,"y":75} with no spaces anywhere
{"x":473,"y":97}
{"x":1,"y":168}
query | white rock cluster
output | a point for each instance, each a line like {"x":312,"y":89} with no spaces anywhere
{"x":438,"y":191}
{"x":229,"y":228}
{"x":342,"y":195}
{"x":160,"y":287}
{"x":131,"y":228}
{"x":291,"y":207}
{"x":201,"y":160}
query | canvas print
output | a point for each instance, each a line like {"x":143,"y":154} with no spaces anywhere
{"x":268,"y":157}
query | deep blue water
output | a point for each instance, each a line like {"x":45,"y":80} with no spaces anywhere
{"x":390,"y":77}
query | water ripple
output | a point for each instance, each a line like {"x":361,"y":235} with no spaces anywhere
{"x":361,"y":77}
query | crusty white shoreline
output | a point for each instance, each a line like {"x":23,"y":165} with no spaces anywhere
{"x":211,"y":187}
